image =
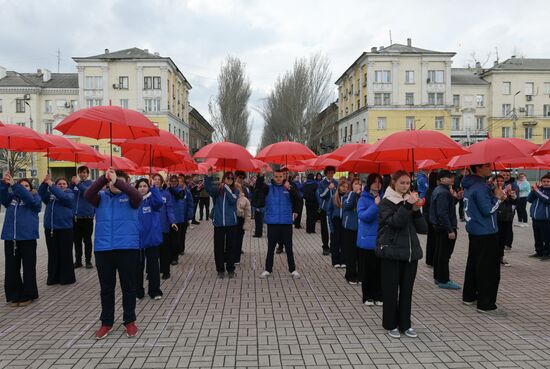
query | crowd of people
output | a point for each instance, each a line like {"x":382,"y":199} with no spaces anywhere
{"x":369,"y":226}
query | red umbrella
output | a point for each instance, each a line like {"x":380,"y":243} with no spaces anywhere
{"x":344,"y":151}
{"x":223,"y":150}
{"x":493,"y":150}
{"x":297,"y":167}
{"x":165,"y":141}
{"x":409,"y":146}
{"x":429,"y":164}
{"x":147,"y":170}
{"x":155,"y":158}
{"x":544,"y":149}
{"x":353,"y":163}
{"x":320,"y":162}
{"x":107,"y":122}
{"x":246,"y":165}
{"x":285,"y":152}
{"x":116,"y":162}
{"x":82,"y":153}
{"x":22,"y":139}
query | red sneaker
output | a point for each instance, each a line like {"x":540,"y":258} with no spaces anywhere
{"x":131,"y":329}
{"x":103,"y":332}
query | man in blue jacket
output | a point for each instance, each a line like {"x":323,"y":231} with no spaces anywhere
{"x":83,"y":218}
{"x":539,"y":198}
{"x":443,"y":217}
{"x":482,"y":274}
{"x":422,"y":183}
{"x":116,"y":246}
{"x":326,"y":189}
{"x":281,"y":208}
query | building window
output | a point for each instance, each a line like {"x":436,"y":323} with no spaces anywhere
{"x":147,"y":83}
{"x":1,"y":105}
{"x":156,"y":83}
{"x":93,"y":83}
{"x":124,"y":103}
{"x":546,"y":110}
{"x":409,"y":123}
{"x":480,"y":123}
{"x":93,"y":102}
{"x":48,"y":106}
{"x":528,"y":133}
{"x":123,"y":82}
{"x":436,"y":76}
{"x":382,"y":98}
{"x":48,"y":127}
{"x":350,"y":131}
{"x":409,"y":98}
{"x":151,"y":105}
{"x":409,"y":76}
{"x":506,"y":88}
{"x":506,"y":109}
{"x":382,"y":76}
{"x":74,"y":105}
{"x":455,"y":124}
{"x":381,"y":122}
{"x":529,"y":88}
{"x":547,"y":88}
{"x":456,"y":100}
{"x":435,"y":98}
{"x":345,"y":133}
{"x":546,"y":133}
{"x":21,"y":124}
{"x":480,"y":101}
{"x":19,"y":105}
{"x":439,"y":97}
{"x":529,"y":110}
{"x":505,"y":132}
{"x":438,"y":122}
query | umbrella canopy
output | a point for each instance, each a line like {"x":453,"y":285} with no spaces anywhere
{"x":285,"y":152}
{"x":429,"y":164}
{"x":246,"y":165}
{"x":492,"y":150}
{"x":60,"y":144}
{"x":165,"y":141}
{"x":117,"y":163}
{"x":354,"y":163}
{"x":320,"y":162}
{"x":344,"y":151}
{"x":107,"y":122}
{"x":544,"y":149}
{"x":22,"y":139}
{"x":414,"y":145}
{"x":83,"y":153}
{"x":156,"y":158}
{"x":221,"y":150}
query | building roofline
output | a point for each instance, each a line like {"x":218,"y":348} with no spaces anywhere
{"x":194,"y":112}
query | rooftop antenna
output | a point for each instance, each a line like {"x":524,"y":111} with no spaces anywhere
{"x":58,"y":59}
{"x":391,"y":43}
{"x":496,"y":50}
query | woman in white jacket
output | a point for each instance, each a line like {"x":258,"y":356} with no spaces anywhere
{"x":244,"y":211}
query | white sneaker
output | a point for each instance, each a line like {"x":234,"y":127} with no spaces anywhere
{"x":157,"y":297}
{"x":296,"y":275}
{"x":411,"y":333}
{"x":394,"y":333}
{"x":265,"y":274}
{"x":369,"y":303}
{"x":343,"y":266}
{"x":378,"y":303}
{"x":337,"y":265}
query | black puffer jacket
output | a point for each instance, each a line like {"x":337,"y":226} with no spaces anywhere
{"x":506,"y":210}
{"x":398,"y":226}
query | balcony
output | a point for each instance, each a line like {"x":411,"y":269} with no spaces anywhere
{"x":382,"y":87}
{"x":152,"y":93}
{"x":93,"y":93}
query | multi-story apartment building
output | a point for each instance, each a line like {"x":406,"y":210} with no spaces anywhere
{"x":402,"y":87}
{"x":200,"y":131}
{"x":39,"y":101}
{"x":324,"y":137}
{"x":394,"y":88}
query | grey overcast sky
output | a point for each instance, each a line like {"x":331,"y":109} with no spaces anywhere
{"x":266,"y":35}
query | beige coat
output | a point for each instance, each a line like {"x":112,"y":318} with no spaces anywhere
{"x":244,"y":210}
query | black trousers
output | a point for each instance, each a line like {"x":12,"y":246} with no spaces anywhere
{"x":461,"y":209}
{"x":350,"y":253}
{"x":259,"y":223}
{"x":60,"y":256}
{"x":482,"y":274}
{"x":107,"y":265}
{"x":430,"y":244}
{"x":298,"y":220}
{"x":16,"y":255}
{"x":324,"y":228}
{"x":165,"y":254}
{"x":148,"y":260}
{"x":83,"y":229}
{"x":224,"y":248}
{"x":279,"y":234}
{"x":336,"y":242}
{"x":204,"y":207}
{"x":505,"y":235}
{"x":369,"y":267}
{"x":541,"y":232}
{"x":195,"y":206}
{"x":177,"y":239}
{"x":521,"y":208}
{"x":312,"y":213}
{"x":239,"y":238}
{"x":397,"y":287}
{"x":443,"y":251}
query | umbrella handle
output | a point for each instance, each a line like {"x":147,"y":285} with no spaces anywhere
{"x":111,"y":141}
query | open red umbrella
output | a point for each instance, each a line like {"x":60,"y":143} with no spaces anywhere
{"x":115,"y":162}
{"x":409,"y":146}
{"x":320,"y":162}
{"x":544,"y":149}
{"x":223,"y":150}
{"x":155,"y":158}
{"x":493,"y":150}
{"x":285,"y":152}
{"x":82,"y":153}
{"x":165,"y":141}
{"x":354,"y":163}
{"x":246,"y":165}
{"x":21,"y":139}
{"x":107,"y":122}
{"x":344,"y":151}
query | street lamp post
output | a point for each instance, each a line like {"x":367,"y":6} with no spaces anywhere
{"x":514,"y":116}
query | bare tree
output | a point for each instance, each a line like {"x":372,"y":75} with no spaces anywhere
{"x":14,"y":161}
{"x":297,"y":98}
{"x":229,"y":109}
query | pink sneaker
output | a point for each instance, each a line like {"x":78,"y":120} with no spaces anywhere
{"x":131,"y":329}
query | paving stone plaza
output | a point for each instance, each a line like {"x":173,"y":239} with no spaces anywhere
{"x":317,"y":321}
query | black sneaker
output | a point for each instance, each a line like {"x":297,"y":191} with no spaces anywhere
{"x":78,"y":265}
{"x":221,"y":275}
{"x":326,"y":252}
{"x":545,"y":258}
{"x":535,"y":255}
{"x":165,"y":275}
{"x":279,"y":250}
{"x":231,"y":275}
{"x":89,"y":265}
{"x":174,"y":262}
{"x":195,"y":222}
